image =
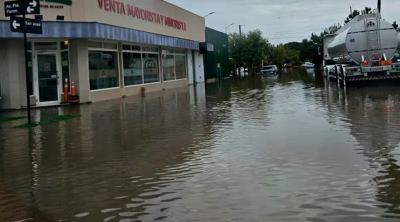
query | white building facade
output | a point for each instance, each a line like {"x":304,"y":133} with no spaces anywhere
{"x":109,"y":48}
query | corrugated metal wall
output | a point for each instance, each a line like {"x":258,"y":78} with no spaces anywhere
{"x":221,"y":54}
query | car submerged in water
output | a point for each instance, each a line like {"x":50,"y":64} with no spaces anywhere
{"x":269,"y":70}
{"x":308,"y":65}
{"x":288,"y":65}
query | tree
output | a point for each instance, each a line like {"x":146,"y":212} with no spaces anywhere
{"x":332,"y":29}
{"x":256,"y":47}
{"x":356,"y":13}
{"x":395,"y":25}
{"x":249,"y":50}
{"x":279,"y":55}
{"x":351,"y":16}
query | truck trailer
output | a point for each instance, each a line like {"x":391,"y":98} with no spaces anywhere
{"x":362,"y":50}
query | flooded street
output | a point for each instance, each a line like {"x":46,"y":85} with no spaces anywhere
{"x":291,"y":148}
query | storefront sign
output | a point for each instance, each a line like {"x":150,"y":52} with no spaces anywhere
{"x":61,"y":2}
{"x":118,"y":7}
{"x":65,"y":2}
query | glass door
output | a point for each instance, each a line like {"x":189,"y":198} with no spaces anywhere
{"x":48,"y":78}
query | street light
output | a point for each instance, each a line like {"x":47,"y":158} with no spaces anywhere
{"x":208,"y":14}
{"x":226,"y":29}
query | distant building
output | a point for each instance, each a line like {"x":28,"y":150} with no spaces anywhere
{"x":216,"y":62}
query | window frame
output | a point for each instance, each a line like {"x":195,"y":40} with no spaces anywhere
{"x":141,"y":52}
{"x":175,"y":54}
{"x":58,"y":50}
{"x":117,"y":63}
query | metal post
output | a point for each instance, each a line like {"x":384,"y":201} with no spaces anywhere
{"x":379,"y":6}
{"x":28,"y":103}
{"x":194,"y":68}
{"x":240,"y":53}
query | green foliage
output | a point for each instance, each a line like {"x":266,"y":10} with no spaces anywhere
{"x":332,"y":29}
{"x":249,"y":50}
{"x":252,"y":50}
{"x":356,"y":13}
{"x":395,"y":25}
{"x":310,"y":49}
{"x":282,"y":54}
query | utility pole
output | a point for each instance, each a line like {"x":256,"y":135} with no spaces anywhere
{"x":240,"y":53}
{"x":379,"y":6}
{"x":351,"y":10}
{"x":24,"y":25}
{"x":28,"y":100}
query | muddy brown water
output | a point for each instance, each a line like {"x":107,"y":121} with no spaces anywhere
{"x":291,"y":148}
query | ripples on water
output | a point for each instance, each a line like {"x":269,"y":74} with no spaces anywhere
{"x":291,"y":148}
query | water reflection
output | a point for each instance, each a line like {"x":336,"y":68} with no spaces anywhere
{"x":287,"y":148}
{"x":373,"y":117}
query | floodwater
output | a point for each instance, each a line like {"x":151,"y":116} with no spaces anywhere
{"x":292,"y":148}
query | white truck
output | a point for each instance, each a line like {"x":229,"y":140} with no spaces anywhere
{"x":362,"y":50}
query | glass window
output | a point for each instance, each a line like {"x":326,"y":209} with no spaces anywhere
{"x":103,"y":70}
{"x":150,"y":49}
{"x":45,"y":45}
{"x":133,"y":73}
{"x":29,"y":45}
{"x":168,"y":67}
{"x":167,"y":51}
{"x":180,"y":66}
{"x":110,"y":45}
{"x":151,"y":69}
{"x":92,"y":44}
{"x":131,"y":47}
{"x":179,"y":51}
{"x":65,"y":69}
{"x":126,"y":47}
{"x":64,"y":45}
{"x":136,"y":48}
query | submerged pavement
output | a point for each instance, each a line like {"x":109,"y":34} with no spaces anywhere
{"x":291,"y":148}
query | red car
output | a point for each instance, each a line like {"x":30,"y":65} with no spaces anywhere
{"x":288,"y":65}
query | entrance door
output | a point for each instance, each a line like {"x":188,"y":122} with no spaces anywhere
{"x":48,"y":77}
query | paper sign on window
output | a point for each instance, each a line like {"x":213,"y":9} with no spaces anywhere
{"x":46,"y":67}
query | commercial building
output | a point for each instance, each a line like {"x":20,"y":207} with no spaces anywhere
{"x":216,"y":61}
{"x":109,"y":48}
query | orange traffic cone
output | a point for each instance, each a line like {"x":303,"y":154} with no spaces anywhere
{"x":73,"y":98}
{"x":73,"y":93}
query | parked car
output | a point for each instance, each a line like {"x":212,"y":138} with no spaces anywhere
{"x":243,"y":71}
{"x":288,"y":65}
{"x":269,"y":70}
{"x":308,"y":65}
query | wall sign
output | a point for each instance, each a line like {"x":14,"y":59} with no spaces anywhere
{"x":61,"y":2}
{"x":64,"y":2}
{"x":118,"y":7}
{"x":150,"y":63}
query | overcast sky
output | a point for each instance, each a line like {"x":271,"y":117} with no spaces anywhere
{"x":282,"y":21}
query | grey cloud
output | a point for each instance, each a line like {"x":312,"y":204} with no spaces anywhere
{"x":282,"y":20}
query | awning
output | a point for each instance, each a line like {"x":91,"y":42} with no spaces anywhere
{"x":57,"y":29}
